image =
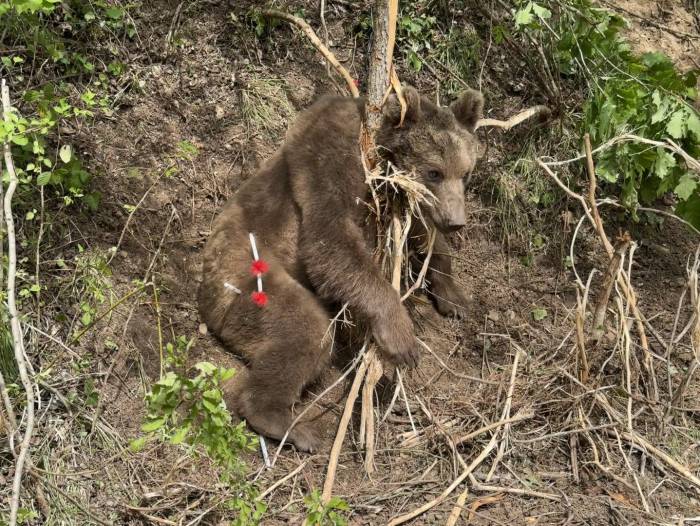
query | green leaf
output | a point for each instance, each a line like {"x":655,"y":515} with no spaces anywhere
{"x":686,"y":186}
{"x":212,"y":407}
{"x":65,"y":153}
{"x":205,"y":367}
{"x":43,"y":178}
{"x":137,"y":445}
{"x":664,"y":163}
{"x":676,"y":125}
{"x":20,"y":140}
{"x":114,"y":12}
{"x":524,"y":16}
{"x":693,"y":124}
{"x":153,"y":425}
{"x":542,"y":12}
{"x":662,"y":106}
{"x":179,"y":435}
{"x":539,"y":314}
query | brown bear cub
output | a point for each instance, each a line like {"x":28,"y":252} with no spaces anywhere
{"x":307,"y":209}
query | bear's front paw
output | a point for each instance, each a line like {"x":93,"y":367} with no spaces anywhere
{"x":449,"y":299}
{"x":395,"y":336}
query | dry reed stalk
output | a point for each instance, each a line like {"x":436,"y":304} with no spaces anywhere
{"x":342,"y":429}
{"x":621,"y":245}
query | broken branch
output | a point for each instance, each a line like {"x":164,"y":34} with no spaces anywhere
{"x":543,"y":112}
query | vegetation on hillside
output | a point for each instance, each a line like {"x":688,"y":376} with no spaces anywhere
{"x":70,"y":64}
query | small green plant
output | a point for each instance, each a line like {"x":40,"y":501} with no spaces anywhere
{"x":192,"y":412}
{"x":320,"y":514}
{"x":186,"y":150}
{"x":539,"y":313}
{"x":91,"y":284}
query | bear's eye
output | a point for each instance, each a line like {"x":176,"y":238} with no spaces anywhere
{"x":434,"y":176}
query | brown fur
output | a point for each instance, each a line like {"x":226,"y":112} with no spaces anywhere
{"x":305,"y":208}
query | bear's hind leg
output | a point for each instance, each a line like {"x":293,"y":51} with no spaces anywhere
{"x":291,"y":349}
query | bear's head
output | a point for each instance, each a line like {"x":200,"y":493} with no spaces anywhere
{"x":438,"y":144}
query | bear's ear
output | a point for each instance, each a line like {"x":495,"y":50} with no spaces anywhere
{"x":392,"y":107}
{"x":468,"y":108}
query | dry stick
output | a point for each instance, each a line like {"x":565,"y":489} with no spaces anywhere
{"x":475,"y":463}
{"x":543,"y":112}
{"x":693,"y":164}
{"x":505,"y":415}
{"x":621,"y":245}
{"x":627,"y":375}
{"x":342,"y":429}
{"x":476,"y":485}
{"x":457,"y":510}
{"x":282,"y":480}
{"x":584,"y":369}
{"x":374,"y":373}
{"x":424,"y":268}
{"x":580,"y":339}
{"x":374,"y":365}
{"x":494,"y":425}
{"x":17,"y":336}
{"x":309,"y":32}
{"x":597,"y":221}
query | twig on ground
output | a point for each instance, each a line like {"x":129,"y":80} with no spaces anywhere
{"x":282,"y":480}
{"x":451,"y":370}
{"x":495,"y":425}
{"x":457,"y":510}
{"x":477,"y":486}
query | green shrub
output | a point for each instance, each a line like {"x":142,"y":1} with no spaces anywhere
{"x":192,"y":412}
{"x":644,"y":95}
